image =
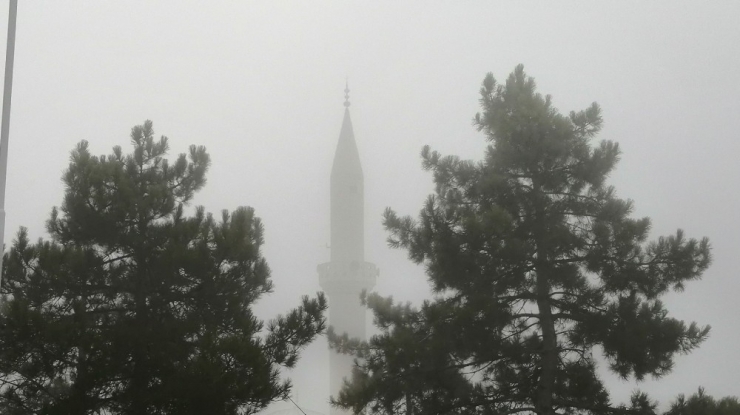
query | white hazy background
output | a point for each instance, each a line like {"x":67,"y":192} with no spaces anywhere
{"x":261,"y":85}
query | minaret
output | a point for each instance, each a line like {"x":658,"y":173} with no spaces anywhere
{"x":347,"y":274}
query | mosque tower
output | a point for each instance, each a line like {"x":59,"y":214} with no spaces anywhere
{"x":345,"y":276}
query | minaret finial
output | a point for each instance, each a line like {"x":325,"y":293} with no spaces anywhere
{"x":346,"y":93}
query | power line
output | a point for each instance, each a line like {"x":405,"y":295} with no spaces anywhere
{"x":296,"y":405}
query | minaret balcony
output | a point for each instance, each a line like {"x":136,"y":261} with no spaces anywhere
{"x":351,"y":277}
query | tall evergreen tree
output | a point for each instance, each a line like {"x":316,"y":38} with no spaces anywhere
{"x":702,"y":404}
{"x":535,"y":265}
{"x":135,"y":307}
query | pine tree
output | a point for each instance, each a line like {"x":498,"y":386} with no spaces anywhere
{"x":536,"y":266}
{"x":702,"y":404}
{"x":135,"y":307}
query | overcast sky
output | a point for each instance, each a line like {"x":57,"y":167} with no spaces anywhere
{"x":260,"y":84}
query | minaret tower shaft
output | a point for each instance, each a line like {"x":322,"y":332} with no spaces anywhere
{"x":347,"y":274}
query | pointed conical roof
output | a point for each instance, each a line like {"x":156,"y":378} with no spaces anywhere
{"x":347,"y":157}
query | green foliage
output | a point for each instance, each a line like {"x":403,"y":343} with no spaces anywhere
{"x":135,"y":307}
{"x":702,"y":404}
{"x":535,"y":265}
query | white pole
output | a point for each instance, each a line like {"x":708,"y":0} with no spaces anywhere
{"x":7,"y":92}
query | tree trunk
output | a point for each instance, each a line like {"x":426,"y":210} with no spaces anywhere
{"x":78,"y":403}
{"x":139,"y":376}
{"x":548,"y":353}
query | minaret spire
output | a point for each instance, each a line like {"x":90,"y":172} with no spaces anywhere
{"x":346,"y":93}
{"x":347,"y":274}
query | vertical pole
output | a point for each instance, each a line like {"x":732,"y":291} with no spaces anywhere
{"x":7,"y":92}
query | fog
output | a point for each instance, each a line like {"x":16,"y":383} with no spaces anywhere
{"x":261,"y":85}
